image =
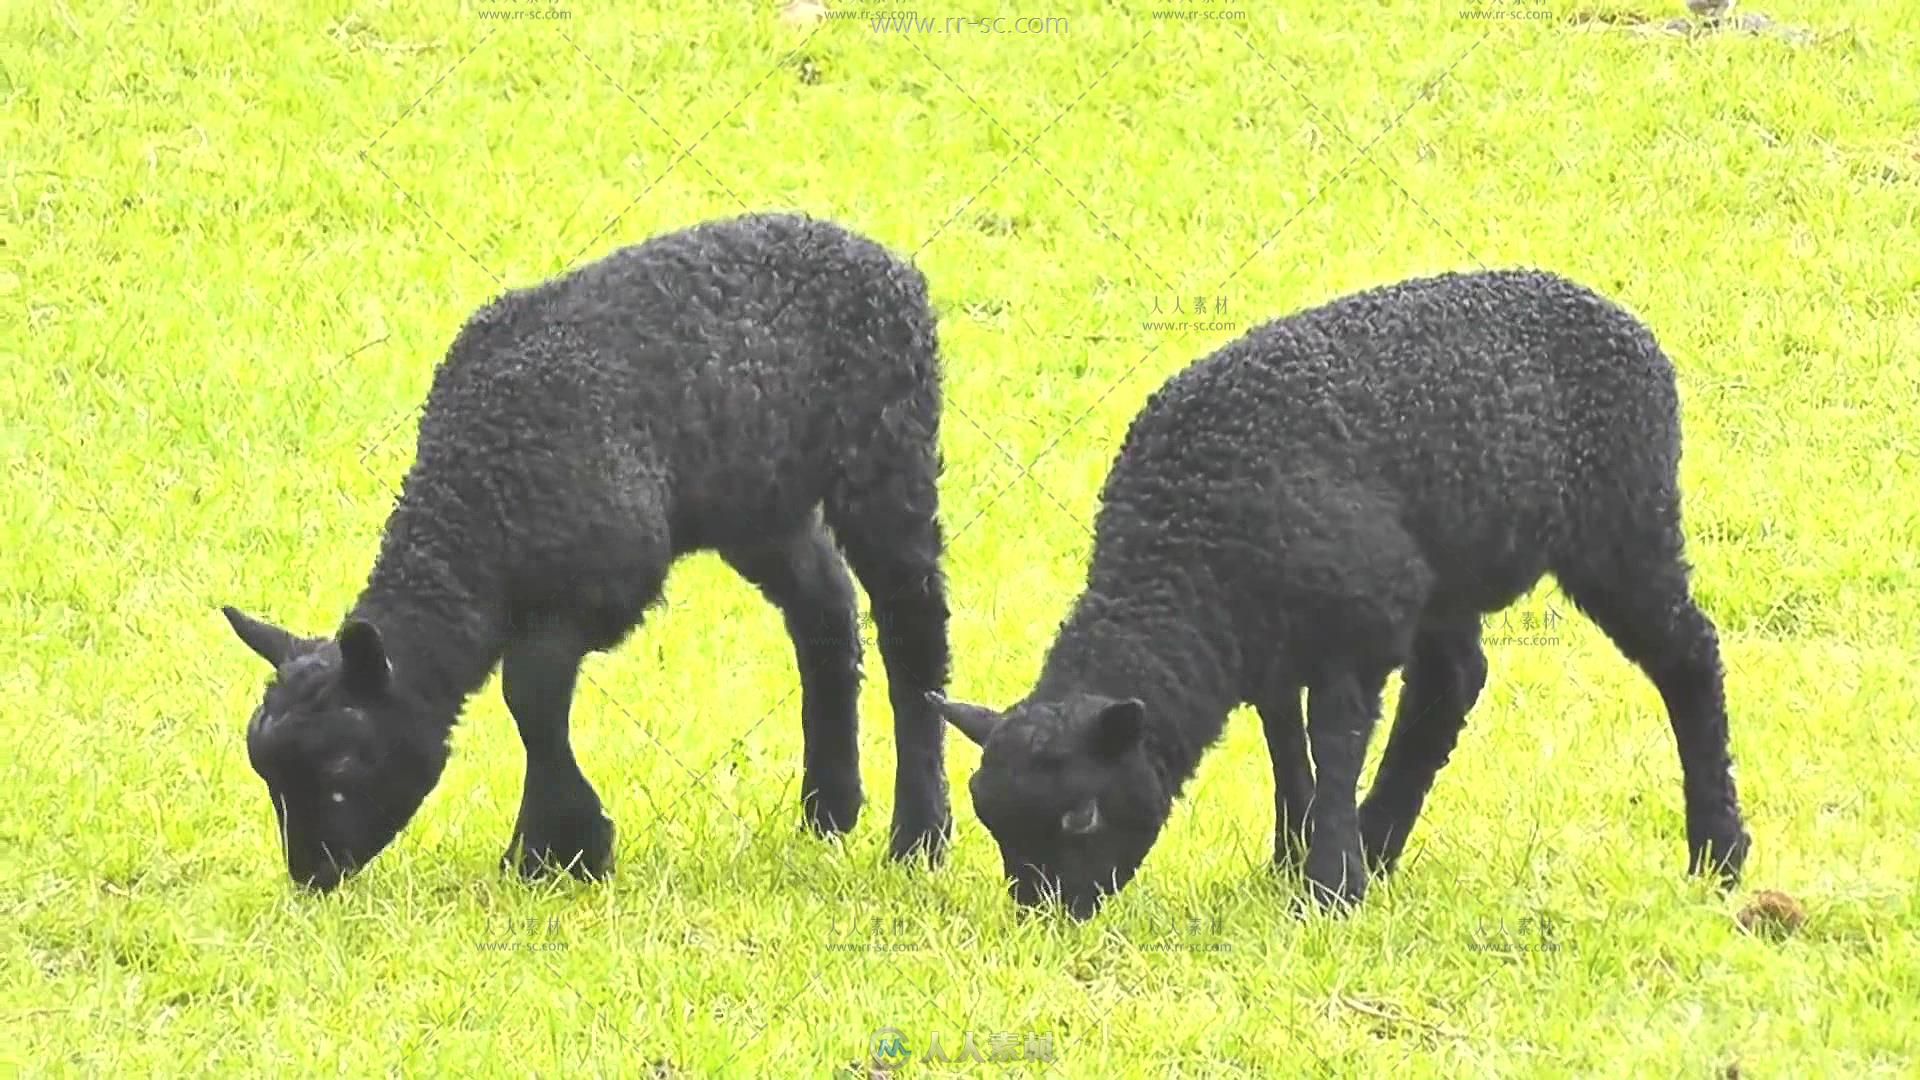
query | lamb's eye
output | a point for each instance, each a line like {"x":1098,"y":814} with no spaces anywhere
{"x":338,"y":796}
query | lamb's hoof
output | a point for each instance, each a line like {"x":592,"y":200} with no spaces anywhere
{"x":1336,"y":879}
{"x":1382,"y":840}
{"x":1722,"y":857}
{"x":1289,"y":854}
{"x":915,"y":837}
{"x":579,"y":844}
{"x":831,"y":807}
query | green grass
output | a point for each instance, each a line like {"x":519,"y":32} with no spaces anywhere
{"x":222,"y":309}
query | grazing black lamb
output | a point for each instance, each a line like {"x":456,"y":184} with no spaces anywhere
{"x":741,"y":386}
{"x":1333,"y":496}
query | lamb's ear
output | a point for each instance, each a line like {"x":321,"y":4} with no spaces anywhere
{"x":1117,"y":729}
{"x":973,"y":721}
{"x":364,"y":667}
{"x":273,"y":644}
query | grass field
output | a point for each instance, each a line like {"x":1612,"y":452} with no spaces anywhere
{"x":238,"y":237}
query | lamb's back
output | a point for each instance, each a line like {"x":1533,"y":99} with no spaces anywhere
{"x":1476,"y":409}
{"x":731,"y":363}
{"x":764,"y":313}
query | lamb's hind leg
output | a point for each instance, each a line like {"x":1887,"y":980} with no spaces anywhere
{"x":805,"y":578}
{"x":561,"y":825}
{"x":1443,"y":680}
{"x":1645,"y":606}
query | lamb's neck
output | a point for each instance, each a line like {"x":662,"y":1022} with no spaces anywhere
{"x":1156,"y":643}
{"x":439,"y":611}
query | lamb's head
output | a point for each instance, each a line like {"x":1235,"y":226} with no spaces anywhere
{"x":1068,"y":792}
{"x":346,"y":760}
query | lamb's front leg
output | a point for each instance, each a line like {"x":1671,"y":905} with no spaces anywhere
{"x":561,"y":824}
{"x":1341,"y":712}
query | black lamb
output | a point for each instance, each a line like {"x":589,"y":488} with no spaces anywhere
{"x":741,"y":386}
{"x":1333,"y":496}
